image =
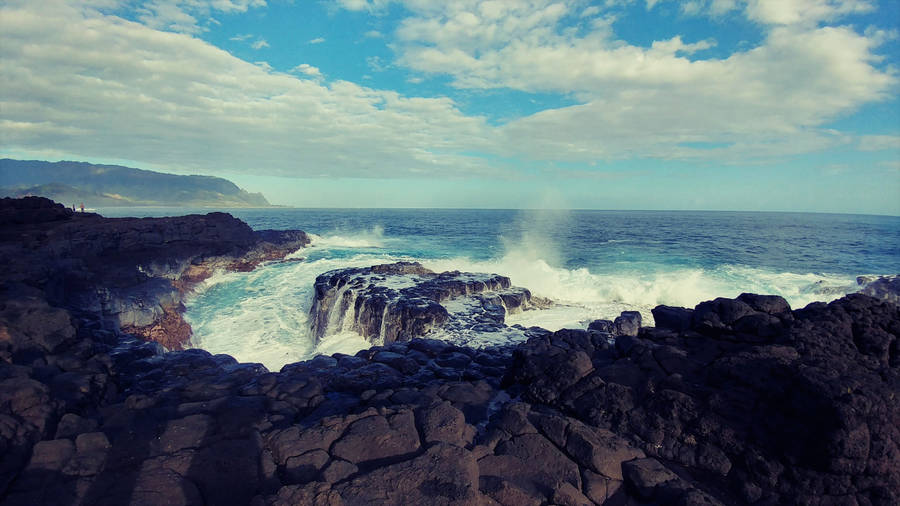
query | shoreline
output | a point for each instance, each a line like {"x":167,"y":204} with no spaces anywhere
{"x":731,"y":402}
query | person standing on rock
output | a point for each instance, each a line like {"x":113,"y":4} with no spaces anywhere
{"x":82,"y":207}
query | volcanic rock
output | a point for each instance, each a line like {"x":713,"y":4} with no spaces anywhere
{"x":750,"y":403}
{"x":403,"y":300}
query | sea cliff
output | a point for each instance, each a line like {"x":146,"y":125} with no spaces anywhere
{"x":735,"y":401}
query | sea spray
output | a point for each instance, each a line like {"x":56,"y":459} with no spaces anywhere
{"x":594,"y":264}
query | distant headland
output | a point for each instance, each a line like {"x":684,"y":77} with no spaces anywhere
{"x":117,"y":186}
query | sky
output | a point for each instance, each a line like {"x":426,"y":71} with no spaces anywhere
{"x":786,"y":105}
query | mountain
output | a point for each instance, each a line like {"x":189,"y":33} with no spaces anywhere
{"x":114,"y":185}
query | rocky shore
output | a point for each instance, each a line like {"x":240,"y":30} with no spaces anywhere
{"x":736,"y":401}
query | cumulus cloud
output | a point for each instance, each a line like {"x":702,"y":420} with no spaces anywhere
{"x":259,"y":44}
{"x":96,"y":86}
{"x":180,"y":102}
{"x":185,"y":16}
{"x":317,"y":40}
{"x":770,"y":100}
{"x":307,"y":69}
{"x":787,"y":12}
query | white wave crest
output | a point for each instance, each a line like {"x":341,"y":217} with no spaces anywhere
{"x":373,"y":238}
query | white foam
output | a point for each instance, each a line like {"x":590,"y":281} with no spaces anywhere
{"x":373,"y":238}
{"x":585,"y":295}
{"x":263,"y":315}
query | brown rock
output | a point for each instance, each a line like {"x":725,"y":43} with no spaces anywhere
{"x":644,"y":475}
{"x":508,"y":493}
{"x":444,"y":474}
{"x":567,"y":495}
{"x":444,"y":423}
{"x":187,"y":432}
{"x":293,"y":441}
{"x":516,"y":461}
{"x":378,"y":437}
{"x":338,"y":470}
{"x":314,"y":494}
{"x":599,"y":449}
{"x":306,"y":467}
{"x":51,"y":455}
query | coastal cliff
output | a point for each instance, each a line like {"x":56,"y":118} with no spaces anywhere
{"x":736,"y":401}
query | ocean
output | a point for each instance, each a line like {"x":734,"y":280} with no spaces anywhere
{"x":594,"y":264}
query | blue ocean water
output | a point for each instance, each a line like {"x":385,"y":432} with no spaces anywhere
{"x":593,"y":263}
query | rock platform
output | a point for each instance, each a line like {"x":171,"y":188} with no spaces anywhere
{"x":403,"y":300}
{"x":736,"y":401}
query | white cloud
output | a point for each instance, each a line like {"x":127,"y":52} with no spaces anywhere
{"x":99,"y":87}
{"x":259,"y":44}
{"x":363,"y":5}
{"x":186,"y":16}
{"x":770,"y":100}
{"x":376,"y":63}
{"x":879,"y":143}
{"x":373,"y":34}
{"x":317,"y":40}
{"x":774,"y":12}
{"x":786,"y":12}
{"x":307,"y":69}
{"x":241,"y":37}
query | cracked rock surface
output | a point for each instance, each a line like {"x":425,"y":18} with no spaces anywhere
{"x":736,"y":401}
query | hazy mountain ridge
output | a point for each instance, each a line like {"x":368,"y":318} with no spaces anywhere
{"x":114,"y":185}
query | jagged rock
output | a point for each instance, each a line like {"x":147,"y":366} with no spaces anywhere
{"x":673,"y":318}
{"x":378,"y":437}
{"x":748,"y":403}
{"x":886,"y":288}
{"x":804,"y":390}
{"x":443,"y":475}
{"x":401,"y":301}
{"x":628,"y":323}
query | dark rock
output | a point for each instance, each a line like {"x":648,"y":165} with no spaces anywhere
{"x":753,"y":403}
{"x":645,"y":475}
{"x":444,"y":474}
{"x":769,"y":304}
{"x":673,"y":318}
{"x":378,"y":437}
{"x":446,"y":424}
{"x":886,"y":288}
{"x":402,"y":301}
{"x":628,"y":323}
{"x":719,"y":315}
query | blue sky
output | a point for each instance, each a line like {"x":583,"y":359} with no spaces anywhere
{"x":613,"y":104}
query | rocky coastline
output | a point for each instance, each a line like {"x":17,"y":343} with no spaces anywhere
{"x":736,"y":401}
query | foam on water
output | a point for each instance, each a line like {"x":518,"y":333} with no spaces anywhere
{"x":373,"y":238}
{"x":262,"y":316}
{"x":583,"y":296}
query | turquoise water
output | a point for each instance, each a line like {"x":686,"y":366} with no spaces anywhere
{"x":593,"y":263}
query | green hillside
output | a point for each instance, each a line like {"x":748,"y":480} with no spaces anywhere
{"x":114,"y":185}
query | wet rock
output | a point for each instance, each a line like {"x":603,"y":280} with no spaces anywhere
{"x":886,"y":288}
{"x":402,"y":301}
{"x":628,"y":323}
{"x":673,"y":318}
